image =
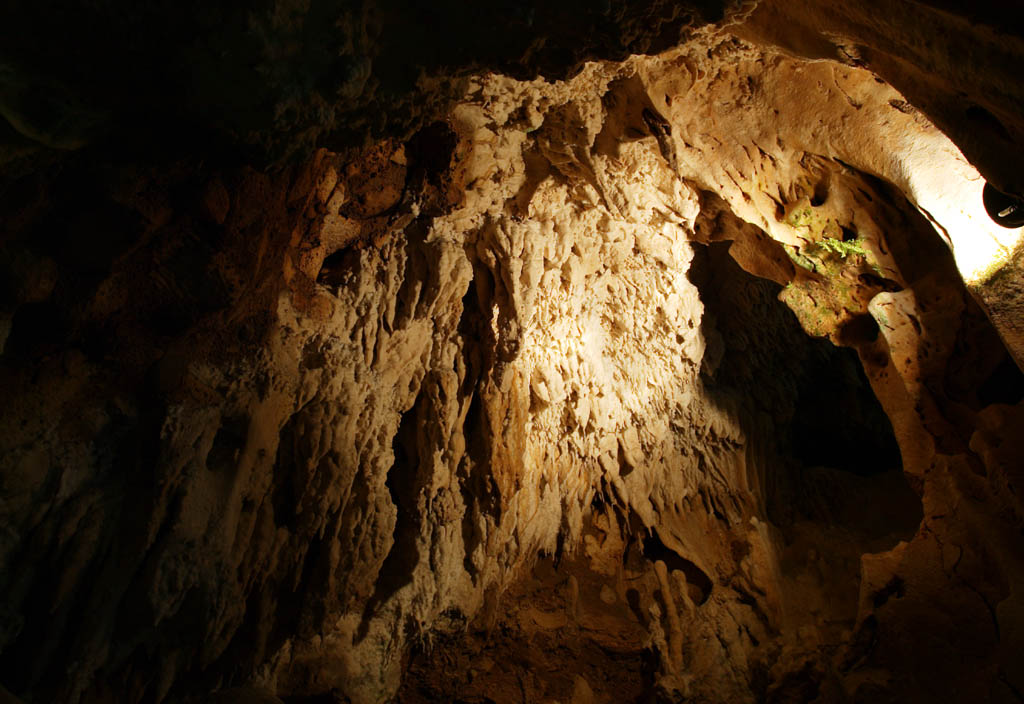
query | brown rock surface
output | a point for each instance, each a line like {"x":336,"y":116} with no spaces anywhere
{"x":655,"y":379}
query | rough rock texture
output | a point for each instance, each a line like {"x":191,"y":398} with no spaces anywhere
{"x":659,"y":381}
{"x":950,"y":60}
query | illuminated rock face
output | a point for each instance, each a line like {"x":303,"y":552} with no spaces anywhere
{"x":535,"y":405}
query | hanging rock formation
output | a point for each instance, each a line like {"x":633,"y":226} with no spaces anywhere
{"x":647,"y":354}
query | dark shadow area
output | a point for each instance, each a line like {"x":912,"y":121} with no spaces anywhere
{"x":430,"y":150}
{"x":837,"y":421}
{"x":228,"y":443}
{"x":696,"y":578}
{"x":836,"y":459}
{"x":340,"y":268}
{"x":404,"y":483}
{"x":1005,"y":385}
{"x":163,"y":78}
{"x":475,"y":481}
{"x":404,"y":487}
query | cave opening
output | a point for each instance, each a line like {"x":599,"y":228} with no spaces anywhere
{"x":828,"y":418}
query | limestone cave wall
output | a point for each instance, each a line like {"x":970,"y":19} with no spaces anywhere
{"x":351,"y":353}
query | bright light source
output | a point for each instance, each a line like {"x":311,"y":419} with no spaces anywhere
{"x":948,"y":190}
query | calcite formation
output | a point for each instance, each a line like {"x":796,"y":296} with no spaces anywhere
{"x":660,"y":381}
